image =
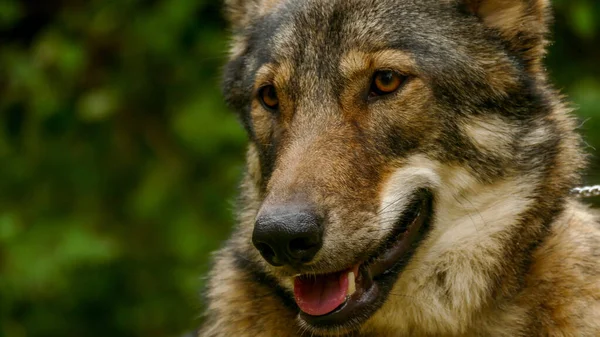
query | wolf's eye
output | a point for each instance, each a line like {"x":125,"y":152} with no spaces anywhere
{"x":386,"y":82}
{"x":268,"y":97}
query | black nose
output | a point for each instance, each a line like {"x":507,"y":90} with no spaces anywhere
{"x":288,"y":235}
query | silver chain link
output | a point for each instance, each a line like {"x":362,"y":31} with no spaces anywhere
{"x":586,"y":191}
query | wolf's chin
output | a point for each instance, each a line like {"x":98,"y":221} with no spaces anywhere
{"x":367,"y":284}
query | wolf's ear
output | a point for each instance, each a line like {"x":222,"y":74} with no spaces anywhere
{"x":523,"y":24}
{"x":241,"y":13}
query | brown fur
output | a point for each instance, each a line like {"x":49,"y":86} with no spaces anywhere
{"x":509,"y":253}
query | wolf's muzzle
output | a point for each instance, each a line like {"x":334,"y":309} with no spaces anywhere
{"x":288,"y":235}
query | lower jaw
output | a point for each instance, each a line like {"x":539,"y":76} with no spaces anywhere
{"x":375,"y":279}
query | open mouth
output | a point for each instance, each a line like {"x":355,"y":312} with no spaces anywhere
{"x":344,"y":300}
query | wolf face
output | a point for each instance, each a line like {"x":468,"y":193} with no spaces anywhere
{"x":399,"y":150}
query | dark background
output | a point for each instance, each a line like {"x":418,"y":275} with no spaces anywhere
{"x":119,"y":161}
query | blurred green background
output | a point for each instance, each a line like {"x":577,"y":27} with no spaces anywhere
{"x":119,"y":161}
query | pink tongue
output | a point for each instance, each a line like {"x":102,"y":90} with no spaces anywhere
{"x":321,"y":294}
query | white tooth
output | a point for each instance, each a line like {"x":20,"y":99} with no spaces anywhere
{"x":351,"y":283}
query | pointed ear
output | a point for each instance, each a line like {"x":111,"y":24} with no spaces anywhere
{"x":241,"y":13}
{"x":523,"y":24}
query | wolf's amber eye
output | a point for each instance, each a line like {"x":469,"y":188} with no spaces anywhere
{"x":268,"y":97}
{"x":386,"y":82}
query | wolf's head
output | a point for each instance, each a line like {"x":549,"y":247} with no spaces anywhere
{"x":405,"y":156}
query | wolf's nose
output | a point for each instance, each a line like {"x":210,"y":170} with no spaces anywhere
{"x":288,"y":236}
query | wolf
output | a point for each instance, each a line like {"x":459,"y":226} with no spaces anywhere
{"x":408,"y":173}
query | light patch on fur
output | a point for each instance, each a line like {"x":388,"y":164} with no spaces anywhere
{"x":490,"y":134}
{"x":355,"y":62}
{"x":449,"y":278}
{"x":238,"y":46}
{"x":467,"y":209}
{"x":265,"y":75}
{"x":536,"y":136}
{"x":502,"y":14}
{"x":283,"y":74}
{"x":394,"y":59}
{"x":253,"y":165}
{"x":401,"y":185}
{"x":268,"y":6}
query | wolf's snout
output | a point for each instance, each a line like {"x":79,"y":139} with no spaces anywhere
{"x":288,"y":235}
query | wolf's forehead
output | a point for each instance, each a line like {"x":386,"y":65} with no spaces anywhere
{"x":311,"y":32}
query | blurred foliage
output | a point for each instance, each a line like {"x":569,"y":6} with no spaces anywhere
{"x":119,"y":161}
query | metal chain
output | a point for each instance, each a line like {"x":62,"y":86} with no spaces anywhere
{"x":586,"y":191}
